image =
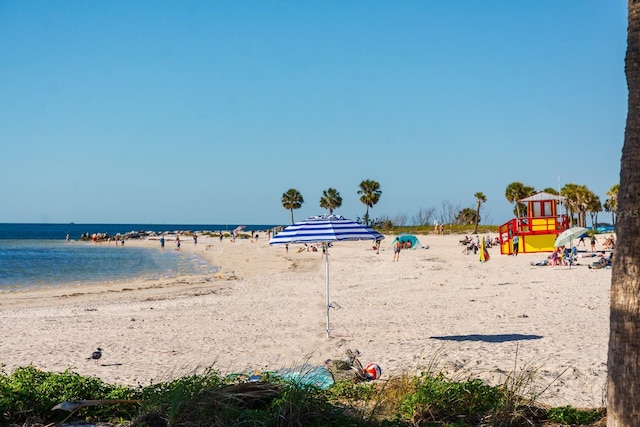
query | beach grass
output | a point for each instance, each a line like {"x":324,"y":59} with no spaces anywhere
{"x":28,"y":395}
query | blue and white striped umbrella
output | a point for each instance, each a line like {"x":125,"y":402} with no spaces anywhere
{"x":324,"y":229}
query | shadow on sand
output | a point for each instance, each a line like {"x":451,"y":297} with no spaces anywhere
{"x":488,"y":338}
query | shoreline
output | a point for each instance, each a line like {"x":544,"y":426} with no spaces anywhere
{"x":265,"y":309}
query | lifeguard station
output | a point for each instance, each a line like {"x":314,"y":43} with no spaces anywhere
{"x":538,"y":230}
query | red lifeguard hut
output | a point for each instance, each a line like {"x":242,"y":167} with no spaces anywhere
{"x":538,"y":230}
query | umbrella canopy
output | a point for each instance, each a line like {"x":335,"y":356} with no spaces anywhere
{"x":325,"y":229}
{"x":566,"y":237}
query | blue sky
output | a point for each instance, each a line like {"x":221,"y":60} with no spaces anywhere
{"x":205,"y":112}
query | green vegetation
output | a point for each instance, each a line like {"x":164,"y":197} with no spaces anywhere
{"x":388,"y":228}
{"x":28,"y":395}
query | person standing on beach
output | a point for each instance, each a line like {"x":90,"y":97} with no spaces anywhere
{"x":516,"y":243}
{"x":397,"y":246}
{"x":593,"y":243}
{"x":178,"y":242}
{"x":162,"y":243}
{"x":195,"y":239}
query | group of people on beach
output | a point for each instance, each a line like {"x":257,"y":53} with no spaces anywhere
{"x":438,"y":229}
{"x":471,"y":245}
{"x":178,"y":241}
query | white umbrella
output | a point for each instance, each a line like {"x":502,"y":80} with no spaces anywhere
{"x":566,"y":237}
{"x":324,"y":229}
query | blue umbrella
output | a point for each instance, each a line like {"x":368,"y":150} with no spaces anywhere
{"x":324,"y":229}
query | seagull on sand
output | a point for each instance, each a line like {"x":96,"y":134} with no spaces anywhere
{"x":96,"y":355}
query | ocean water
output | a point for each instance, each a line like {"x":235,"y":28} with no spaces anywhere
{"x":37,"y":255}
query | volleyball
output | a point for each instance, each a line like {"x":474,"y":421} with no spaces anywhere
{"x":373,"y":371}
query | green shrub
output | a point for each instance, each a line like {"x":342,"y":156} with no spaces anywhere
{"x":571,"y":415}
{"x":430,"y":399}
{"x":438,"y":399}
{"x":31,"y":393}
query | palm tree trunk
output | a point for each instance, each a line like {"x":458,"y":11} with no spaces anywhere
{"x":623,"y":382}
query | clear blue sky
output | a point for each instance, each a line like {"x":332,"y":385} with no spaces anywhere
{"x":207,"y":111}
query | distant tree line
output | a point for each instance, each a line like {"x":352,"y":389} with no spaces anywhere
{"x":579,"y":202}
{"x":369,"y":192}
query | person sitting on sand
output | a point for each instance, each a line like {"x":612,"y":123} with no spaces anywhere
{"x":609,"y":243}
{"x":602,"y":262}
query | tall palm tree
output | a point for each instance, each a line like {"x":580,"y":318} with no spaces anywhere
{"x":330,"y":199}
{"x":369,"y":195}
{"x":570,"y":191}
{"x":480,"y":198}
{"x":291,"y":200}
{"x":578,"y":199}
{"x":623,"y":364}
{"x":593,"y":207}
{"x":611,"y":203}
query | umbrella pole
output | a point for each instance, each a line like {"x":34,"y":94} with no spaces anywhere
{"x":570,"y":253}
{"x":326,"y":275}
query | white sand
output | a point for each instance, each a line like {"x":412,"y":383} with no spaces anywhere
{"x":266,"y":310}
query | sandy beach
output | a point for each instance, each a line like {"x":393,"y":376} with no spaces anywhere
{"x":265,"y":309}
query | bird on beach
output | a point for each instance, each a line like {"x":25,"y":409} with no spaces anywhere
{"x":96,"y":355}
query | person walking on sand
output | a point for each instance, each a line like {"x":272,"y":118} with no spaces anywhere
{"x":516,"y":243}
{"x":397,"y":246}
{"x":581,"y":241}
{"x":593,"y":242}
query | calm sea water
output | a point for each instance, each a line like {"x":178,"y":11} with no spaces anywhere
{"x":33,"y":255}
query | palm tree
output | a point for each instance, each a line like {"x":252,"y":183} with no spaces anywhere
{"x":291,"y":200}
{"x":623,"y":364}
{"x":593,"y":207}
{"x":481,"y":198}
{"x":570,"y":191}
{"x":611,"y":204}
{"x":516,"y":191}
{"x":330,"y":199}
{"x":578,"y":200}
{"x":369,"y":195}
